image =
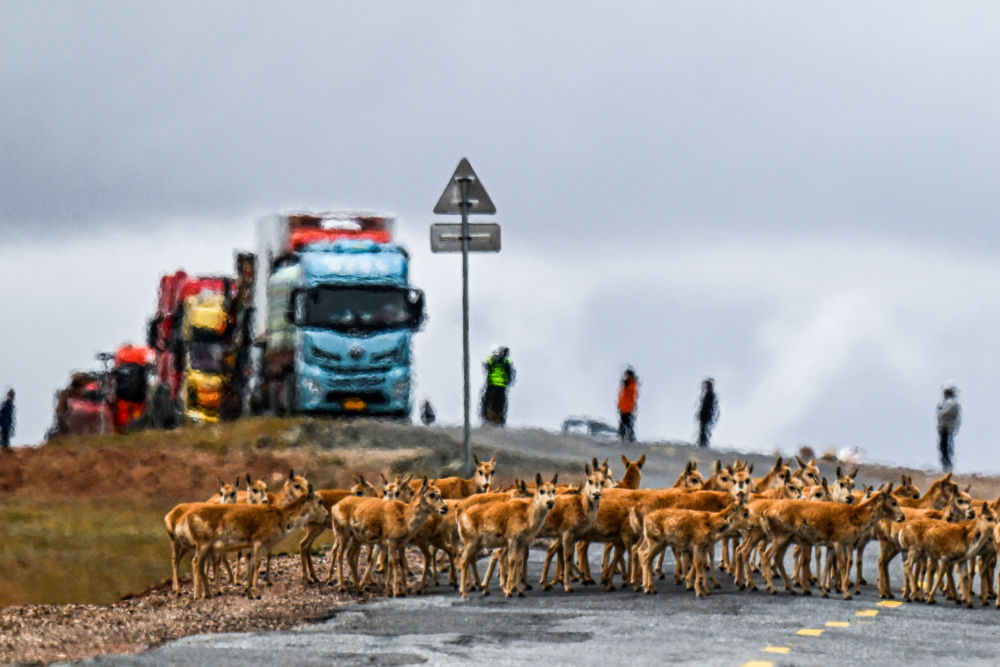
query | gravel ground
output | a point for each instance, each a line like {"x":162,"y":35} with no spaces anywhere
{"x":39,"y":634}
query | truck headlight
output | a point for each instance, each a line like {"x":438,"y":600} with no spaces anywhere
{"x":400,"y":389}
{"x":312,"y":389}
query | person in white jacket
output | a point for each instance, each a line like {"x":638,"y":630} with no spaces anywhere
{"x":949,"y":416}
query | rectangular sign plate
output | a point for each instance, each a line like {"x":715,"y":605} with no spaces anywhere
{"x":447,"y":237}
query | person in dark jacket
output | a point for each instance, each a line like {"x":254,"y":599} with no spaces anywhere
{"x":708,"y":412}
{"x":427,"y":416}
{"x":949,"y":417}
{"x":7,"y":420}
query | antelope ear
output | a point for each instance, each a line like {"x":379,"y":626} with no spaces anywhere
{"x":967,"y":488}
{"x":383,"y":479}
{"x":423,"y":484}
{"x":718,"y":466}
{"x":750,"y":469}
{"x":524,"y":487}
{"x":605,"y":464}
{"x":594,"y":462}
{"x":249,"y":482}
{"x":237,"y":482}
{"x":538,"y":479}
{"x":854,"y":474}
{"x":586,"y":469}
{"x":799,"y":461}
{"x":641,"y":461}
{"x":694,"y":466}
{"x":777,"y":464}
{"x":888,"y":489}
{"x":221,"y":483}
{"x":291,"y":474}
{"x":838,"y":471}
{"x":947,"y":477}
{"x":624,"y":461}
{"x":493,"y":460}
{"x":555,"y":478}
{"x":825,"y":485}
{"x":476,"y":459}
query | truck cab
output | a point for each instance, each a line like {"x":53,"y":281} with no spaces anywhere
{"x":340,"y":317}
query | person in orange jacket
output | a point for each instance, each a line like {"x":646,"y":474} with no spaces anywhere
{"x":628,"y":400}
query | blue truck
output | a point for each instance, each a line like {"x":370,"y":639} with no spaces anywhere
{"x":338,"y":315}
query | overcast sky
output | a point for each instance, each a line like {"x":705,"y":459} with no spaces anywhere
{"x":798,"y":199}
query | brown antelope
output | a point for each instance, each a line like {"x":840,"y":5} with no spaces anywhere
{"x":571,"y":516}
{"x":504,"y":524}
{"x":834,"y":525}
{"x":690,"y":478}
{"x":937,"y":496}
{"x":222,"y":528}
{"x":612,"y":524}
{"x":388,"y":523}
{"x":906,"y":489}
{"x":329,"y":498}
{"x":946,"y":544}
{"x":179,"y":545}
{"x":686,"y":531}
{"x":631,"y":479}
{"x":775,"y":477}
{"x":454,"y":488}
{"x":842,"y":489}
{"x":988,"y":562}
{"x":888,"y":536}
{"x":807,"y":473}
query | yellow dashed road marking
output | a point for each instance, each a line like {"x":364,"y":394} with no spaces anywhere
{"x":892,"y":604}
{"x":810,"y":632}
{"x":867,"y":612}
{"x":777,"y":649}
{"x":757,"y":663}
{"x":838,"y":624}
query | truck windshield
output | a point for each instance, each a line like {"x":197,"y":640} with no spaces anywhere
{"x":347,"y":308}
{"x":206,"y":357}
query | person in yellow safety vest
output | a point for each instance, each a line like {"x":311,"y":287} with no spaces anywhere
{"x":499,"y":376}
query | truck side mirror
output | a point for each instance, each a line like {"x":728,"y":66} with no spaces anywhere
{"x":415,"y":304}
{"x":296,"y":313}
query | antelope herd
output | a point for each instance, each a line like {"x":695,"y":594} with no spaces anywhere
{"x":941,"y":535}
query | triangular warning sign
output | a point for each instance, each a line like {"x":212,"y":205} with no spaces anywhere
{"x":451,"y":198}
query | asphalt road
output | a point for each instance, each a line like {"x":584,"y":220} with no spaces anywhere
{"x":592,"y":626}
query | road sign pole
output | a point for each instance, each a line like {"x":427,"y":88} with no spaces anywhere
{"x":465,"y":194}
{"x":464,"y":184}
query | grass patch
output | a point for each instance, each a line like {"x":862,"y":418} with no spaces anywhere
{"x":79,"y":552}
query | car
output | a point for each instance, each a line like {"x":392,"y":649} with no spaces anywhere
{"x":595,"y":428}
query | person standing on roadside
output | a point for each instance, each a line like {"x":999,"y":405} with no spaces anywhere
{"x":499,"y":376}
{"x":949,"y":417}
{"x":427,"y":415}
{"x":7,"y":420}
{"x":628,"y":402}
{"x":708,"y":411}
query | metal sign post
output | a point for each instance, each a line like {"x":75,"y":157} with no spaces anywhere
{"x":464,"y":194}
